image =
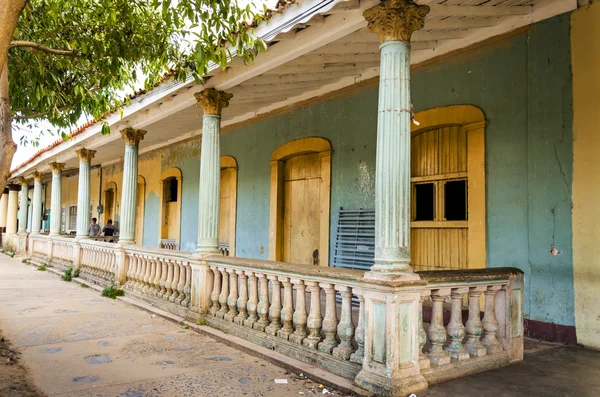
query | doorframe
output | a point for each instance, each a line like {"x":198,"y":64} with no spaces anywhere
{"x":472,"y":120}
{"x":284,"y":152}
{"x":167,"y":175}
{"x":229,"y":162}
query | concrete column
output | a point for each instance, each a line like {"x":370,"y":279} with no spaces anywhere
{"x":13,"y":208}
{"x":132,"y":138}
{"x":3,"y":208}
{"x":391,"y":341}
{"x":212,"y":103}
{"x":56,"y":200}
{"x":394,"y":21}
{"x":36,"y":211}
{"x":83,"y":193}
{"x":23,"y":206}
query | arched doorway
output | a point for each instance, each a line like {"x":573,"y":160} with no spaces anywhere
{"x":228,"y":205}
{"x":111,"y":207}
{"x":300,"y":197}
{"x":448,"y":222}
{"x":139,"y":210}
{"x":170,"y":208}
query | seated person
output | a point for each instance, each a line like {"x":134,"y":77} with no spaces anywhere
{"x":109,"y":229}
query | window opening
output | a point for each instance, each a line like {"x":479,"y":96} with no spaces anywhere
{"x":173,"y":190}
{"x":425,"y":202}
{"x":455,"y":200}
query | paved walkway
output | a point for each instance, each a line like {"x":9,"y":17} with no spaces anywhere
{"x":76,"y":343}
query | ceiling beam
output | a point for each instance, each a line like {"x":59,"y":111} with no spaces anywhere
{"x":477,"y":11}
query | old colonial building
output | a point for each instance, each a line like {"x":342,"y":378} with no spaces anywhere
{"x":291,"y":201}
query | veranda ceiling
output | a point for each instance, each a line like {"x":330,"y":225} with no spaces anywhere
{"x":315,"y":47}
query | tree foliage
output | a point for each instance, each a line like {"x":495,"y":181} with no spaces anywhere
{"x":74,"y":58}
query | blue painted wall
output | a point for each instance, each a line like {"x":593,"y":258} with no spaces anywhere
{"x":523,"y":85}
{"x":151,"y":211}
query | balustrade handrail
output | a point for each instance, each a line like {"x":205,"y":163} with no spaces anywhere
{"x":349,"y":277}
{"x":139,"y":249}
{"x":452,"y":278}
{"x":102,"y":244}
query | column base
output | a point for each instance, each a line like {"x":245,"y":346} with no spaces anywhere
{"x":391,"y":387}
{"x":383,"y":273}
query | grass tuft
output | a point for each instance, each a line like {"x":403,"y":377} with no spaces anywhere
{"x":112,"y":292}
{"x":42,"y":267}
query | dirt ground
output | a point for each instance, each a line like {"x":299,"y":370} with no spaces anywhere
{"x":14,"y":381}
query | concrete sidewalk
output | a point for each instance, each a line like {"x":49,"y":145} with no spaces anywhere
{"x":76,"y":343}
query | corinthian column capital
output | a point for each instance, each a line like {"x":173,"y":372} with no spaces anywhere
{"x":22,"y":181}
{"x":396,"y":20}
{"x":85,"y":155}
{"x":38,"y":176}
{"x":132,"y":136}
{"x":212,"y":101}
{"x":57,"y":167}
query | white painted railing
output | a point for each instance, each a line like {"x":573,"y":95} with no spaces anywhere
{"x":98,"y":260}
{"x":169,"y":244}
{"x":347,"y":322}
{"x":160,"y":274}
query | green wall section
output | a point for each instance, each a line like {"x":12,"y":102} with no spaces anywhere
{"x":522,"y":84}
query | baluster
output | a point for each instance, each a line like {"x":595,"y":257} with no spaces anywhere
{"x":437,"y":332}
{"x":152,"y":263}
{"x":139,"y":272}
{"x":169,"y":281}
{"x":141,"y":285}
{"x":330,"y":321}
{"x":187,"y":288}
{"x":275,"y":309}
{"x":423,"y":359}
{"x":287,"y":313}
{"x":456,"y":329}
{"x":146,"y":275}
{"x":490,"y":323}
{"x":233,"y":296}
{"x":164,"y":275}
{"x":242,"y":301}
{"x":359,"y":337}
{"x":262,"y":309}
{"x":130,"y":270}
{"x":474,"y":326}
{"x":157,"y":277}
{"x":345,"y":328}
{"x":314,"y":318}
{"x":181,"y":283}
{"x":252,"y":299}
{"x":299,"y":318}
{"x":224,"y":293}
{"x":214,"y":295}
{"x":175,"y":281}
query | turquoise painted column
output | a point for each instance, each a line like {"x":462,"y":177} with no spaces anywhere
{"x":132,"y":138}
{"x":391,"y":364}
{"x":13,"y":207}
{"x":83,"y":193}
{"x":212,"y":103}
{"x":394,"y":21}
{"x":23,"y":206}
{"x":36,"y":216}
{"x":56,"y":199}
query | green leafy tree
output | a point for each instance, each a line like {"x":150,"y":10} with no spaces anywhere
{"x":61,"y":60}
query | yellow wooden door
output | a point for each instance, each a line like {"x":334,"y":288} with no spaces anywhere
{"x":439,"y":176}
{"x":227,"y":176}
{"x":139,"y":213}
{"x":301,"y":210}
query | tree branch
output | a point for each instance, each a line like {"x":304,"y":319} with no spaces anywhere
{"x":37,"y":46}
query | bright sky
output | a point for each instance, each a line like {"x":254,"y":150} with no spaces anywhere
{"x":25,"y":152}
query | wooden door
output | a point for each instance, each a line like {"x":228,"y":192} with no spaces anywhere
{"x":301,"y":209}
{"x":139,"y":213}
{"x":439,"y":176}
{"x":225,"y":213}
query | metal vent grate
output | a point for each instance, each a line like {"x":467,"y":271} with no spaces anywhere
{"x":355,"y":239}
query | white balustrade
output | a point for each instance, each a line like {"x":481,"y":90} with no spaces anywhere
{"x":159,"y":274}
